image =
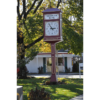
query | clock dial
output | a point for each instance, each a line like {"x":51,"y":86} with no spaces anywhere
{"x":51,"y":28}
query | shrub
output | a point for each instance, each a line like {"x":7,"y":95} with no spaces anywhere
{"x":76,"y":67}
{"x":67,"y":69}
{"x":38,"y":95}
{"x":43,"y":81}
{"x":40,"y":70}
{"x":63,"y":81}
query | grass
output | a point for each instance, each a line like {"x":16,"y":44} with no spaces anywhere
{"x":72,"y":88}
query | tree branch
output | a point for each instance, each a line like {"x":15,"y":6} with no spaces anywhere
{"x":21,"y":15}
{"x":37,"y":6}
{"x":18,"y":10}
{"x":69,"y":24}
{"x":31,"y":7}
{"x":59,"y":1}
{"x":24,"y":8}
{"x":34,"y":42}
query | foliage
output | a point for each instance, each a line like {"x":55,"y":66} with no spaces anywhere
{"x":67,"y":69}
{"x":43,"y":81}
{"x":38,"y":95}
{"x":76,"y":67}
{"x":72,"y":41}
{"x":45,"y":47}
{"x":29,"y":55}
{"x":77,"y":64}
{"x":40,"y":70}
{"x":72,"y":26}
{"x":63,"y":80}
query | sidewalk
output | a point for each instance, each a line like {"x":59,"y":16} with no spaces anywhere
{"x":61,"y":75}
{"x":80,"y":97}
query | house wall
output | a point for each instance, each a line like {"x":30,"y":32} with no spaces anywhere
{"x":37,"y":62}
{"x":40,"y":62}
{"x":32,"y":66}
{"x":91,"y":57}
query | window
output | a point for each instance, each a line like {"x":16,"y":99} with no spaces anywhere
{"x":60,"y":61}
{"x":49,"y":62}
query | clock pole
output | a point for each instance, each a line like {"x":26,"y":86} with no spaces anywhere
{"x":53,"y":69}
{"x":52,"y":23}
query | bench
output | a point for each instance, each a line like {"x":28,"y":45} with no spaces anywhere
{"x":89,"y":68}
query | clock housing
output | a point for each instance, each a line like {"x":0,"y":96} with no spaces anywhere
{"x":52,"y":24}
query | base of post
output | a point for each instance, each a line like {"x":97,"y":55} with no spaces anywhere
{"x":53,"y":78}
{"x":53,"y":83}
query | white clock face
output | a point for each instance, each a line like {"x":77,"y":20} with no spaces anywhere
{"x":51,"y":16}
{"x":52,"y":28}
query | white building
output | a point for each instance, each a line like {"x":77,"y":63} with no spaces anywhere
{"x":63,"y":59}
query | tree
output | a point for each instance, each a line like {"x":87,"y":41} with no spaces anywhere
{"x":45,"y":47}
{"x":72,"y":26}
{"x":29,"y":27}
{"x":21,"y":25}
{"x":23,"y":20}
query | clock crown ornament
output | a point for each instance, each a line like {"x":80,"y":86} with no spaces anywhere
{"x":52,"y":23}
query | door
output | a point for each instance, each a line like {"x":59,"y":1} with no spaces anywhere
{"x":65,"y":63}
{"x":44,"y":65}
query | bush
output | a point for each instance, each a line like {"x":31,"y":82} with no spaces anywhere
{"x":38,"y":95}
{"x":40,"y":70}
{"x":67,"y":69}
{"x":76,"y":67}
{"x":63,"y":81}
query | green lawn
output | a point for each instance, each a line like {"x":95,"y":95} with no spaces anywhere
{"x":74,"y":87}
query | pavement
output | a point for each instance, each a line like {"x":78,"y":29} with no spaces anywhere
{"x":61,"y":75}
{"x":80,"y":97}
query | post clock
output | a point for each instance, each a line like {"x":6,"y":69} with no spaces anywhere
{"x":52,"y":23}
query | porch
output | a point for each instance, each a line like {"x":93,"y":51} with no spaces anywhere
{"x":63,"y":61}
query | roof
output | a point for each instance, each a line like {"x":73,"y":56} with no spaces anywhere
{"x":62,"y":50}
{"x":52,"y":10}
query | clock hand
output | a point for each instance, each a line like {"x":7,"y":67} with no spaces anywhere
{"x":53,"y":28}
{"x":50,"y":26}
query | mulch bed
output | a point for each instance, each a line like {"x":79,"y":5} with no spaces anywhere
{"x":24,"y":77}
{"x":53,"y":83}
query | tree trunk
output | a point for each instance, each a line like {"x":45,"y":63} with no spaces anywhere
{"x":21,"y":55}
